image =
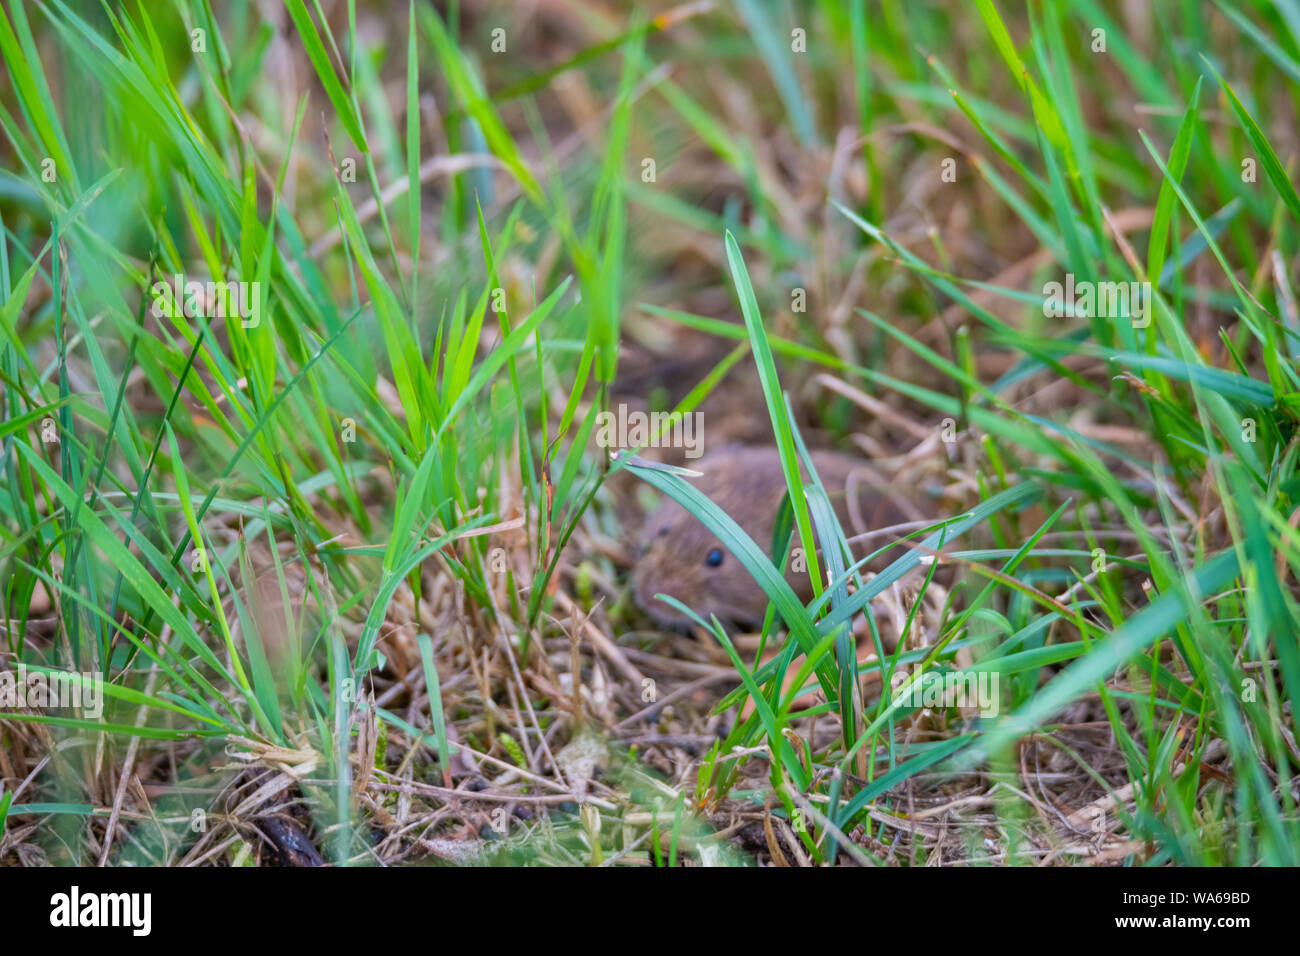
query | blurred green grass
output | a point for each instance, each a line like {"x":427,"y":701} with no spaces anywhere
{"x":474,"y":324}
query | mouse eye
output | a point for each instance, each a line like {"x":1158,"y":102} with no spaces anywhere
{"x":713,"y":558}
{"x":663,"y":530}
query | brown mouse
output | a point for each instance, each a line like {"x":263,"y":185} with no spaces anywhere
{"x":681,"y":558}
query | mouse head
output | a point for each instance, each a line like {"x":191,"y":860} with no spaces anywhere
{"x":681,"y":558}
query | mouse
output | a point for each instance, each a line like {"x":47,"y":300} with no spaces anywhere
{"x":678,"y":556}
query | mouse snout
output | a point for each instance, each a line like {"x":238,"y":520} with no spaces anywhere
{"x":649,"y":578}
